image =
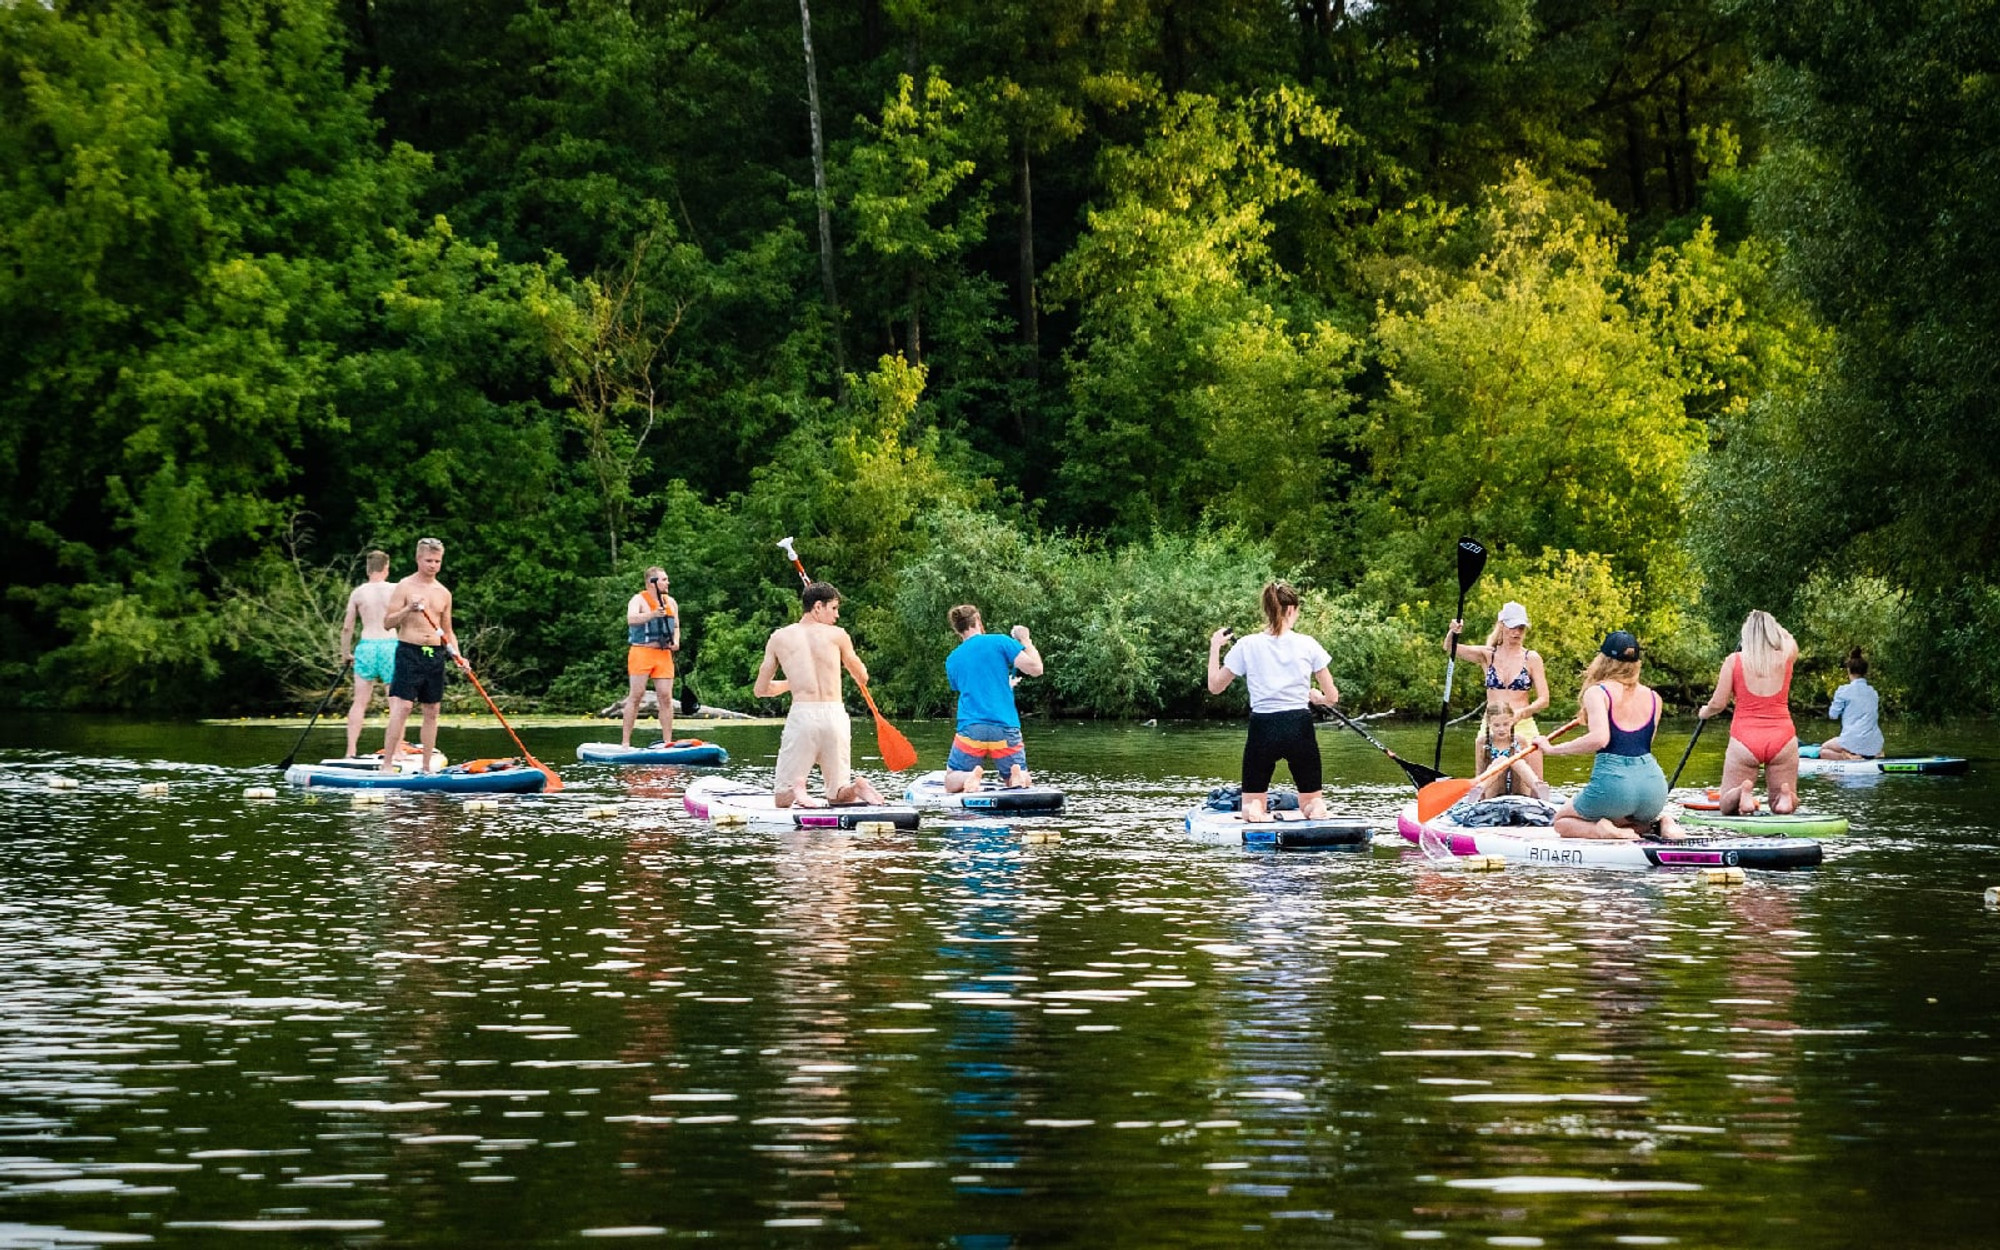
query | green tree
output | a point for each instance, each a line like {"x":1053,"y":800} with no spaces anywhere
{"x":1526,"y":402}
{"x":1201,"y":378}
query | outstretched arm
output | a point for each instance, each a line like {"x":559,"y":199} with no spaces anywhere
{"x":1029,"y":662}
{"x":852,"y":662}
{"x":1725,"y":689}
{"x":1541,"y":678}
{"x":1597,"y":723}
{"x":1219,"y":677}
{"x":1476,"y":652}
{"x":1328,"y":694}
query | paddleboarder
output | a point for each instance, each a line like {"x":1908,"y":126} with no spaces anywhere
{"x":419,"y":611}
{"x":1758,"y":679}
{"x":1522,"y":776}
{"x":652,"y":635}
{"x":1627,"y":793}
{"x":1517,"y":686}
{"x":1281,"y":667}
{"x":981,"y":670}
{"x":374,"y":657}
{"x":1856,"y":706}
{"x":811,"y":652}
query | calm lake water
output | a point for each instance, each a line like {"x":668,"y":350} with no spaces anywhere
{"x":231,"y":1022}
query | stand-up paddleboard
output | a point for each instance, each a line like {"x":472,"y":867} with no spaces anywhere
{"x":990,"y":799}
{"x":714,"y":798}
{"x":1765,"y":822}
{"x":1220,"y":820}
{"x":1810,"y":764}
{"x":409,"y":761}
{"x":495,"y":777}
{"x":1230,"y":829}
{"x":1539,"y":845}
{"x":692,"y":752}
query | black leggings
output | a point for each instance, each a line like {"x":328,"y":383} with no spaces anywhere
{"x":1286,"y":736}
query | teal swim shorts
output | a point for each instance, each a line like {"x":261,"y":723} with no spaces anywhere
{"x":375,"y":659}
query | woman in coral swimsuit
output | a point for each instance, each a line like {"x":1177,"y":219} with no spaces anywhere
{"x":1759,"y":679}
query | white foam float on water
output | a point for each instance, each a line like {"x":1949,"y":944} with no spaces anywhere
{"x":1569,"y":1185}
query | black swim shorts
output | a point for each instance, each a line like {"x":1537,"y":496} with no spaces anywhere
{"x":419,"y":673}
{"x":1286,"y":736}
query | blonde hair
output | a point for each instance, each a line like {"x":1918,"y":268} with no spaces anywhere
{"x":1764,"y":644}
{"x":378,"y":562}
{"x":1278,"y":596}
{"x":1493,"y":635}
{"x":1603,"y":668}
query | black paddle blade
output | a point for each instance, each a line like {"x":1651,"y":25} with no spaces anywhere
{"x":689,"y":703}
{"x":1471,"y":563}
{"x":1419,"y":775}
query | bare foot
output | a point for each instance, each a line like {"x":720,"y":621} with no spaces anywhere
{"x":1018,"y":778}
{"x":859,"y":791}
{"x":1611,"y":831}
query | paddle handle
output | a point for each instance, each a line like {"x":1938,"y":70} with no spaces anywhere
{"x":554,"y":782}
{"x":339,"y":679}
{"x":1450,"y":667}
{"x":1693,"y":738}
{"x":1505,"y":762}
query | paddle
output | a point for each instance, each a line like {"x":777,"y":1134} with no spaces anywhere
{"x":1692,"y":739}
{"x":1419,"y":775}
{"x":555,"y":783}
{"x":1438,"y":797}
{"x":1471,"y":562}
{"x":338,"y":682}
{"x":897,"y":753}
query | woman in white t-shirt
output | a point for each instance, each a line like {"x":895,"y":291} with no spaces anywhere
{"x":1280,"y":665}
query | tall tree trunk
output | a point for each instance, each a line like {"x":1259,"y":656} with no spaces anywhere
{"x":820,"y":198}
{"x":1031,"y":332}
{"x":1635,"y":161}
{"x":913,"y":340}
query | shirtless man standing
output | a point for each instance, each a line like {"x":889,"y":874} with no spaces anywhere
{"x":812,"y":652}
{"x":375,"y":658}
{"x":420,"y":612}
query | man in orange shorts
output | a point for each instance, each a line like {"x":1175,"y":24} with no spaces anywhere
{"x":652,"y":635}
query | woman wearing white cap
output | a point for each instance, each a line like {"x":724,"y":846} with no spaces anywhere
{"x":1516,"y":685}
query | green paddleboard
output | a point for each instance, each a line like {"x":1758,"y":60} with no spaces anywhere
{"x":1791,"y":825}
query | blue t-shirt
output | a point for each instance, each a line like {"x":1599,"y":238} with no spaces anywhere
{"x":980,"y":670}
{"x":1856,"y":706}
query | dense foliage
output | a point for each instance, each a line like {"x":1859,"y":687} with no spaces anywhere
{"x":1683,"y":308}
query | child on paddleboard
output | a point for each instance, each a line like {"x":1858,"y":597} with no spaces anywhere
{"x":1520,"y":777}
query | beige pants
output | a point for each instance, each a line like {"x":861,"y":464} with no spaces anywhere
{"x":815,"y":733}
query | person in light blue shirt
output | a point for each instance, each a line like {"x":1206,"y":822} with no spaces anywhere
{"x":981,"y":669}
{"x":1855,"y":706}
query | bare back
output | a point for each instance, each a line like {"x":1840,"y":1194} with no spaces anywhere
{"x":370,"y":601}
{"x":811,"y":655}
{"x":434,"y":598}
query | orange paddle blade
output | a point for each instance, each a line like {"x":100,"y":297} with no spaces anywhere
{"x":554,"y":783}
{"x":1439,"y":797}
{"x":897,"y":753}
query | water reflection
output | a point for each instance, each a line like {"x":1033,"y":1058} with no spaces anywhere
{"x":416,"y":1023}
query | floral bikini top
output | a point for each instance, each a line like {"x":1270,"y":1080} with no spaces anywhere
{"x":1522,"y":680}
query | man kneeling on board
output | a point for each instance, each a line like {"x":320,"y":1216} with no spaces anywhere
{"x":812,"y":651}
{"x":981,"y":669}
